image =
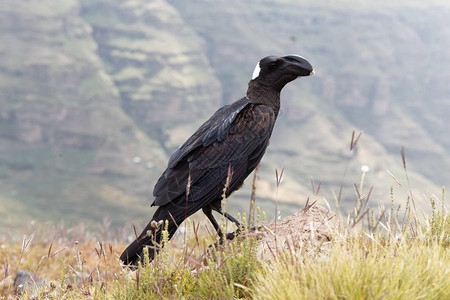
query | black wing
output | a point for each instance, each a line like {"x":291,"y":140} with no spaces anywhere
{"x":212,"y":130}
{"x":236,"y":136}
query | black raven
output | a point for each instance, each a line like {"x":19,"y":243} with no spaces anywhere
{"x":229,"y":145}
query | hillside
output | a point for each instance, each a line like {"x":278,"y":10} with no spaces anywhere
{"x":66,"y":143}
{"x":95,"y":95}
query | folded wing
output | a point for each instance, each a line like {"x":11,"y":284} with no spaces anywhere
{"x":235,"y":137}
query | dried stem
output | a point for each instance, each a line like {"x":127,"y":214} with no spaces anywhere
{"x":251,"y":215}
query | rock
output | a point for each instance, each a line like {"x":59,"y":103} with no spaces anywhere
{"x":27,"y":282}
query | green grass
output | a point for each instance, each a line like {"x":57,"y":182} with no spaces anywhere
{"x":360,"y":268}
{"x":394,"y":256}
{"x":396,"y":253}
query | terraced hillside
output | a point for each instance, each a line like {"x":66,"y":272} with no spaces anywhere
{"x":94,"y":96}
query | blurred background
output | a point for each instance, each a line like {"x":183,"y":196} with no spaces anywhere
{"x":96,"y":94}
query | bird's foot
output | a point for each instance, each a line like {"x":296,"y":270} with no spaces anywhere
{"x":220,"y":244}
{"x":231,"y":235}
{"x":228,"y":236}
{"x":250,"y":229}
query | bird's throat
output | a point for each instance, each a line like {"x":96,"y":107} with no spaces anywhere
{"x":265,"y":94}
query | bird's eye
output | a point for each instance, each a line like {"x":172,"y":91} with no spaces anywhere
{"x":273,"y":64}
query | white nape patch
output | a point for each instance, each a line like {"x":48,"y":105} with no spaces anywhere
{"x":296,"y":55}
{"x":256,"y":71}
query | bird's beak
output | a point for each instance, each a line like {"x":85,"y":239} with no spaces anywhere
{"x":299,"y":65}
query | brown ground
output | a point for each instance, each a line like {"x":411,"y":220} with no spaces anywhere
{"x":307,"y":229}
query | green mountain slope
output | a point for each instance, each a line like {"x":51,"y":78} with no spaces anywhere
{"x":95,"y":95}
{"x":66,"y":144}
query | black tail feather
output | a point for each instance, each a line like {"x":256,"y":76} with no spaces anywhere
{"x":174,"y":213}
{"x":134,"y":252}
{"x":150,"y":237}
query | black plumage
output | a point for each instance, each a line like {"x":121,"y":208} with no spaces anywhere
{"x":232,"y":141}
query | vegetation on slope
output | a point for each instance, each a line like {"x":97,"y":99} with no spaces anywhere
{"x":393,"y":254}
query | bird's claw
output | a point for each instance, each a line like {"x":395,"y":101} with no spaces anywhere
{"x":231,"y":235}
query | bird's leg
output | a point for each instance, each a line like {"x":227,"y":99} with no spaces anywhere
{"x":232,"y":219}
{"x":207,"y":210}
{"x":219,"y":209}
{"x":240,"y":226}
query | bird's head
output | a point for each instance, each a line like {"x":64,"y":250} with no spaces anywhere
{"x":277,"y":71}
